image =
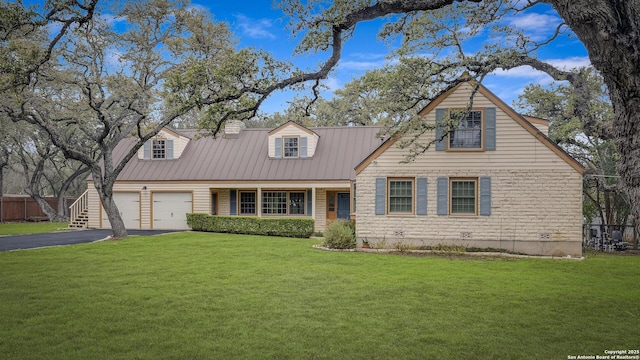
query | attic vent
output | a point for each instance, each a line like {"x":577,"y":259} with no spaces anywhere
{"x":232,"y":128}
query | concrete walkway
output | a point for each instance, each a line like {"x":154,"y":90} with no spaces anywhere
{"x":16,"y":242}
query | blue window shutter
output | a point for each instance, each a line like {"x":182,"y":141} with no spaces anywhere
{"x":381,"y":194}
{"x":233,"y":202}
{"x":490,"y":129}
{"x":147,"y":150}
{"x":485,"y":195}
{"x":309,"y":203}
{"x":169,"y":149}
{"x":421,"y":196}
{"x":443,"y":196}
{"x":441,"y":145}
{"x":303,"y":147}
{"x":278,"y":148}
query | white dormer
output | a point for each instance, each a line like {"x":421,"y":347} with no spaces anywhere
{"x":292,"y":141}
{"x":166,"y":145}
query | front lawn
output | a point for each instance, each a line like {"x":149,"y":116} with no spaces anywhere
{"x":211,"y":296}
{"x":31,"y":228}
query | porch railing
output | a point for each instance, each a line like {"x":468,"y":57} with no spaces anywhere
{"x":79,"y":206}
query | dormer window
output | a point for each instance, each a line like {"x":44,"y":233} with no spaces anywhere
{"x":159,"y":149}
{"x":290,"y":148}
{"x":292,"y":141}
{"x":468,"y":133}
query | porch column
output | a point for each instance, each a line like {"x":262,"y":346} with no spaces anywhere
{"x":259,"y":202}
{"x":313,"y":204}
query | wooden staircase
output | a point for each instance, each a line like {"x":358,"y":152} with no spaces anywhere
{"x":79,"y":217}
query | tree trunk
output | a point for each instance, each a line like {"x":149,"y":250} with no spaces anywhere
{"x":105,"y":191}
{"x":33,"y":189}
{"x":117,"y":225}
{"x":47,"y":209}
{"x":610,"y":30}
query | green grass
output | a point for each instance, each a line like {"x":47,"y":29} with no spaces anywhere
{"x":210,"y":296}
{"x":31,"y":228}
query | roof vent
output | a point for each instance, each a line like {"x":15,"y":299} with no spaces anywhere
{"x":232,"y":129}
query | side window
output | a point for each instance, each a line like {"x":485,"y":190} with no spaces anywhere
{"x":464,"y":196}
{"x":400,"y":196}
{"x":247,"y":203}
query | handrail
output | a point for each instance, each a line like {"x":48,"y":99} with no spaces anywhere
{"x":80,"y":205}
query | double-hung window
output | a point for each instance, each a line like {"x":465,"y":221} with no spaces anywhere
{"x":290,"y":147}
{"x":400,"y":196}
{"x":464,"y":197}
{"x":283,"y":203}
{"x":468,"y":132}
{"x":247,"y":202}
{"x":159,"y":149}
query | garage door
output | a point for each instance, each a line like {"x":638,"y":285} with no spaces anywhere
{"x":129,"y":206}
{"x":170,"y":210}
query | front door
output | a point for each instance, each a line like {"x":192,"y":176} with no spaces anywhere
{"x":338,"y":206}
{"x":343,"y":206}
{"x":332,"y":206}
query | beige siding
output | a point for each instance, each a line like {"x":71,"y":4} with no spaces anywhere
{"x":93,"y":201}
{"x":202,"y":197}
{"x":535,"y":194}
{"x":292,"y":130}
{"x":321,"y":209}
{"x":543,"y":128}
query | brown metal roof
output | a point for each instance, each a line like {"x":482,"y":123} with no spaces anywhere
{"x":339,"y":150}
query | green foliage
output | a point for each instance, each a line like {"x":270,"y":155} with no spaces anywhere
{"x":340,"y":234}
{"x":288,"y":227}
{"x":580,"y":122}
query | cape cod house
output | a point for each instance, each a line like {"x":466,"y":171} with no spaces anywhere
{"x":496,"y":181}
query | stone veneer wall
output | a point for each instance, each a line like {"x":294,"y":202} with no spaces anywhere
{"x":532,"y":211}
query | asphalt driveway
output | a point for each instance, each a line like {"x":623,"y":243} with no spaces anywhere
{"x":16,"y":242}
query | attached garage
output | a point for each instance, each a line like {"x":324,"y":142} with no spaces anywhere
{"x":128,"y":204}
{"x":169,"y":210}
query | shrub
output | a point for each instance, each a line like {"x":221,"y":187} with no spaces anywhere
{"x":252,"y":225}
{"x":340,"y":234}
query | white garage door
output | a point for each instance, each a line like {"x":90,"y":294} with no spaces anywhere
{"x":129,"y":206}
{"x":170,"y":210}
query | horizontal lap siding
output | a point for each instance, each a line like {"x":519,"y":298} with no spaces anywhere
{"x":201,"y":200}
{"x":533,"y":191}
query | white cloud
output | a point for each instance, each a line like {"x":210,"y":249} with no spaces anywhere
{"x":332,"y":84}
{"x":255,"y":28}
{"x":111,"y":19}
{"x":570,"y":62}
{"x":361,"y":65}
{"x":112,"y":59}
{"x":536,"y":22}
{"x":530,"y":73}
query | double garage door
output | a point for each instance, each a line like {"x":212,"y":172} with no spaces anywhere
{"x":168,"y":210}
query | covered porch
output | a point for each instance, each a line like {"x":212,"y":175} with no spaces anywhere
{"x":323,"y":202}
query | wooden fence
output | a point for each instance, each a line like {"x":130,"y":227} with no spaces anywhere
{"x":24,"y":208}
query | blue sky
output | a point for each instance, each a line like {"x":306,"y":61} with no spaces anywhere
{"x":258,"y":23}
